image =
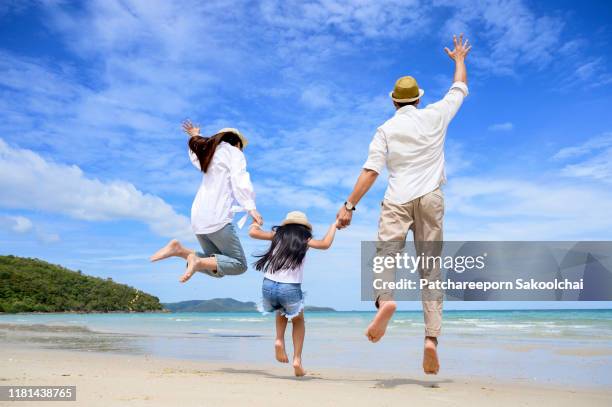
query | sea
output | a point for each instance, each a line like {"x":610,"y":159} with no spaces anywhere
{"x":557,"y":347}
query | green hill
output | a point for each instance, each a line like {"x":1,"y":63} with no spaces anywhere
{"x":34,"y":285}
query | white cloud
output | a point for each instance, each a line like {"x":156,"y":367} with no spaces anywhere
{"x":47,"y":238}
{"x":591,"y":159}
{"x":317,"y":96}
{"x":598,"y":167}
{"x":520,"y":209}
{"x":30,"y":182}
{"x":383,"y":18}
{"x":505,"y":33}
{"x":593,"y":73}
{"x":23,"y":226}
{"x":506,"y":126}
{"x":603,"y":141}
{"x":17,"y":224}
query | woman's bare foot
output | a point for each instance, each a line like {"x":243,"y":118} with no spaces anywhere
{"x":431,"y":365}
{"x":192,"y":260}
{"x":297,"y":367}
{"x":173,"y":248}
{"x":279,"y":349}
{"x":377,"y":328}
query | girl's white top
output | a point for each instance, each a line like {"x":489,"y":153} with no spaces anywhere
{"x":294,"y":275}
{"x":226,"y":188}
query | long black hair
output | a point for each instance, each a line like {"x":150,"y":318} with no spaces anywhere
{"x":204,"y":147}
{"x":288,"y":248}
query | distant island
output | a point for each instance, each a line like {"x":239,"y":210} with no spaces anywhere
{"x":225,"y":305}
{"x":33,"y":285}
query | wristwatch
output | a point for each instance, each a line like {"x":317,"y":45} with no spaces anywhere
{"x":349,"y":206}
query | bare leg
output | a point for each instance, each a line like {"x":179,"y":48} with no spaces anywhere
{"x":431,"y":365}
{"x":195,"y":263}
{"x":298,"y":333}
{"x":377,"y":328}
{"x":174,"y":248}
{"x":279,"y":343}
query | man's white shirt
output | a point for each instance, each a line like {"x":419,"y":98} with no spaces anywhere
{"x":225,"y":183}
{"x":411,"y":145}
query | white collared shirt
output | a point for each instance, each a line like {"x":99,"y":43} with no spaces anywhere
{"x":225,"y":182}
{"x":411,"y":145}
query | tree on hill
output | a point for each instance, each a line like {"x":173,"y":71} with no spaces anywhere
{"x":28,"y":285}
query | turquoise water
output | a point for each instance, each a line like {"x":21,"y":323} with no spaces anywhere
{"x":556,"y":346}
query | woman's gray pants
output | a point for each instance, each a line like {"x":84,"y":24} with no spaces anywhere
{"x":225,"y":246}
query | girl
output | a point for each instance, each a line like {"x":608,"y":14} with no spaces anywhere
{"x":283,"y":267}
{"x":225,"y":180}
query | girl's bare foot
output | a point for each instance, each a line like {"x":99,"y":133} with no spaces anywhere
{"x":192,"y":260}
{"x":173,"y":248}
{"x":377,"y":328}
{"x":279,"y":349}
{"x":431,"y":365}
{"x":297,"y":367}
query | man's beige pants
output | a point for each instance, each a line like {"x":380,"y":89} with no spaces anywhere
{"x":424,"y":216}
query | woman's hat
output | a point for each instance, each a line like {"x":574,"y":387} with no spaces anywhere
{"x":297,"y":218}
{"x":406,"y":90}
{"x":236,"y":132}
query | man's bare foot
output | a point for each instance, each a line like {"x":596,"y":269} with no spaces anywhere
{"x":171,"y":249}
{"x":431,"y":365}
{"x":297,"y":367}
{"x":377,"y":328}
{"x":192,"y":259}
{"x":279,"y":349}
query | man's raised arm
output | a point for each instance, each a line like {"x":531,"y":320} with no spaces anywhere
{"x":450,"y":103}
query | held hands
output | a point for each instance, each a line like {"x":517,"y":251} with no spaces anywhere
{"x":343,"y":218}
{"x":257,"y":218}
{"x":190,"y":128}
{"x":461,"y":48}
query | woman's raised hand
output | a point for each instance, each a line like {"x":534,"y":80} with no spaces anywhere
{"x":190,"y":128}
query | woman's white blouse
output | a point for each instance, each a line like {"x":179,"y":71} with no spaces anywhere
{"x":226,"y":188}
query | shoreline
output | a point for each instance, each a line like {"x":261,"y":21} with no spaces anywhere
{"x":372,"y":311}
{"x":116,"y":379}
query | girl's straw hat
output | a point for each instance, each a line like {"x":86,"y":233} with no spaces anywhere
{"x":236,"y":132}
{"x":406,"y":90}
{"x":297,"y":218}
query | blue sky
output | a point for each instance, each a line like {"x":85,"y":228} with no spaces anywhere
{"x":93,"y":167}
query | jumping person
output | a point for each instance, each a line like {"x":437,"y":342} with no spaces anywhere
{"x":225,"y":181}
{"x":411,"y":145}
{"x":283,"y":267}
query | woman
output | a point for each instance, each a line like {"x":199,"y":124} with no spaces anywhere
{"x":225,"y":181}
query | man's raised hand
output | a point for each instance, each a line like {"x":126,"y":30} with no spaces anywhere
{"x":461,"y":48}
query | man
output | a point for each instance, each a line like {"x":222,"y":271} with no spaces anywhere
{"x":411,"y":145}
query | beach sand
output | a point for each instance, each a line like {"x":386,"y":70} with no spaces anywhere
{"x":104,"y":379}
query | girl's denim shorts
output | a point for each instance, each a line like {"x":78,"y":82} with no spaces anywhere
{"x":287,"y":298}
